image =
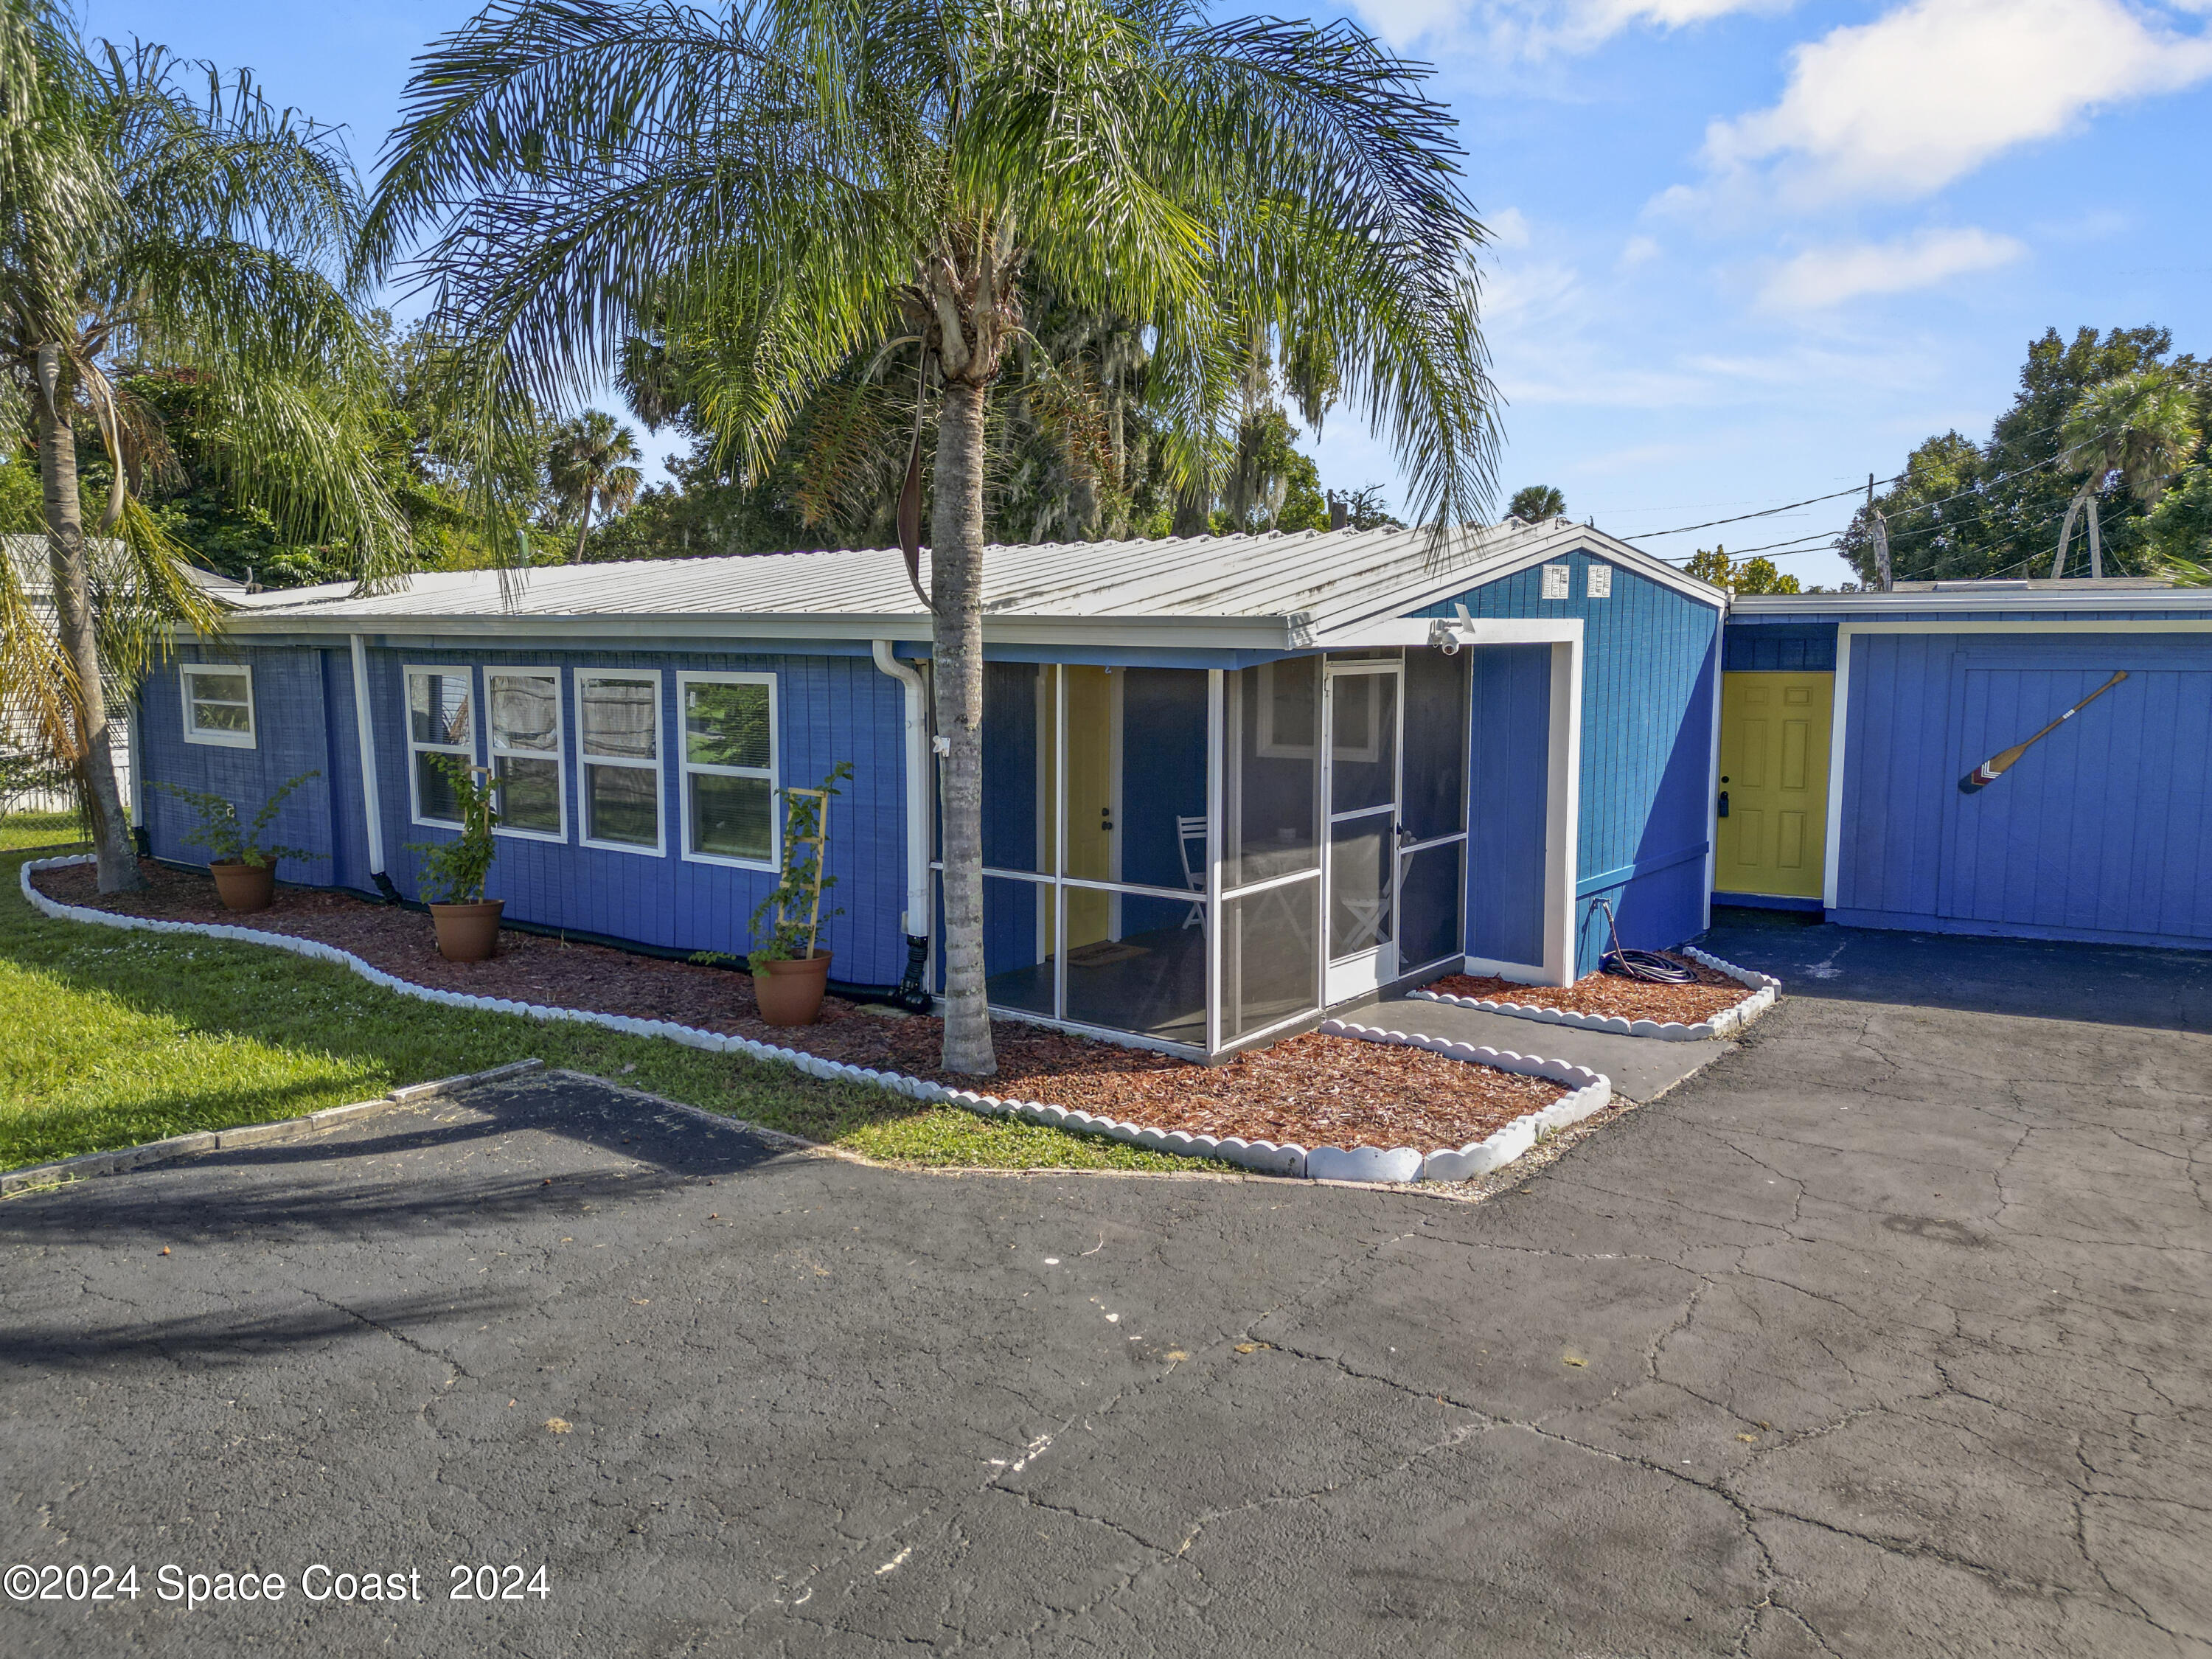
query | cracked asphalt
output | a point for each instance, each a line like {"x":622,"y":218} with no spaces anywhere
{"x":1886,"y":1334}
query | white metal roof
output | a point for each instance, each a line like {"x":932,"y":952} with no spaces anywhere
{"x":2070,"y":594}
{"x":1279,"y":590}
{"x":28,"y":554}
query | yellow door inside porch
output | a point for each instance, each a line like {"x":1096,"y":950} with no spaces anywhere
{"x":1091,"y":754}
{"x":1774,"y":770}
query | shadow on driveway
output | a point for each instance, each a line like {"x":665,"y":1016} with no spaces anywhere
{"x":2104,"y":984}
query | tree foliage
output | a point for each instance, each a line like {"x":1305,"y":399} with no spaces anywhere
{"x":1535,"y":502}
{"x":1963,"y":510}
{"x":1757,"y":574}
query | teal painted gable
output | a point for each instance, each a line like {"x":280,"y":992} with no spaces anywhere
{"x":1649,"y":678}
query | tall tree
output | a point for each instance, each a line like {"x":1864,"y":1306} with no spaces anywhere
{"x":1536,"y":503}
{"x":819,"y":178}
{"x":1962,"y":510}
{"x":2134,"y":432}
{"x":152,"y":210}
{"x":592,"y":462}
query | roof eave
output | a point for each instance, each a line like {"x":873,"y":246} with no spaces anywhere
{"x":1276,"y":633}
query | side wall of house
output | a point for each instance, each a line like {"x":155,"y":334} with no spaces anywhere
{"x":291,"y":737}
{"x":1650,"y":673}
{"x":828,"y":709}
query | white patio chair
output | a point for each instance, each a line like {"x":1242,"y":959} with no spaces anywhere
{"x":1189,"y":830}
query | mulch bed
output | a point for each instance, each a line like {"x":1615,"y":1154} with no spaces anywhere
{"x":1315,"y":1090}
{"x":1611,"y":995}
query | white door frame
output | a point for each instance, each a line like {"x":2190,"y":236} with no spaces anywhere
{"x":1366,"y":971}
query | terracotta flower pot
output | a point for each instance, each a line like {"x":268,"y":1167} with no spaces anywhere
{"x":243,"y":886}
{"x":790,"y":993}
{"x":467,"y":932}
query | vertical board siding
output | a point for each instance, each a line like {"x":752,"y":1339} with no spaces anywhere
{"x":2101,"y":831}
{"x":290,"y":737}
{"x":828,"y":709}
{"x":1508,"y":765}
{"x":1780,"y":647}
{"x":1650,"y":671}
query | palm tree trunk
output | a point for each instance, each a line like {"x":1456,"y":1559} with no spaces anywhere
{"x":113,"y":846}
{"x":956,"y":580}
{"x":583,"y":531}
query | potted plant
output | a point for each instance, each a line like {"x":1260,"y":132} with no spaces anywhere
{"x":466,"y":923}
{"x":243,"y":865}
{"x":789,"y":975}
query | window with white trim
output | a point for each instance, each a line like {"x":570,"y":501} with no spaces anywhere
{"x":441,"y":715}
{"x":618,"y":752}
{"x":218,"y":700}
{"x":525,"y":751}
{"x":729,"y":768}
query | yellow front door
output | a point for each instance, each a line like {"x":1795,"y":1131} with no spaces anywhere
{"x":1774,"y":781}
{"x":1090,"y":801}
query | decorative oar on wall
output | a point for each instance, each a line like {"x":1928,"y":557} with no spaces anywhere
{"x":1997,"y":764}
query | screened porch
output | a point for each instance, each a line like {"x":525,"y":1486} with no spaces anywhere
{"x":1202,"y":858}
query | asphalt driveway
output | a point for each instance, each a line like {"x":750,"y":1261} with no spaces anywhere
{"x":1887,"y":1335}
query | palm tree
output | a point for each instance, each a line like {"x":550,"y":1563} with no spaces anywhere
{"x":146,"y":221}
{"x":593,"y":460}
{"x":2140,"y":426}
{"x":1535,"y":502}
{"x":800,"y":181}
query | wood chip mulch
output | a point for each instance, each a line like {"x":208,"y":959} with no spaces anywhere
{"x":1312,"y":1090}
{"x":1611,"y":995}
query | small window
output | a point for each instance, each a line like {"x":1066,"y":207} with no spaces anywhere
{"x":618,"y":745}
{"x":218,"y":704}
{"x":1601,"y":581}
{"x":525,"y":751}
{"x":729,"y":768}
{"x":1558,"y":580}
{"x":440,"y":722}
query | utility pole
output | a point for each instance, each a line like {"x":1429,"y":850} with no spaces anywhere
{"x":1880,"y":542}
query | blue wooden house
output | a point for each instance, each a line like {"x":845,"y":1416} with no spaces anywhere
{"x":1851,"y":720}
{"x":1229,"y":782}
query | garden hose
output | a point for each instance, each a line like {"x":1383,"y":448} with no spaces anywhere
{"x":1647,"y":965}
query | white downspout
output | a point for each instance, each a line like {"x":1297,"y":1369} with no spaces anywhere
{"x":915,"y":922}
{"x":365,"y":730}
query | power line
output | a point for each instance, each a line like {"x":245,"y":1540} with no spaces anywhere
{"x":1855,"y":489}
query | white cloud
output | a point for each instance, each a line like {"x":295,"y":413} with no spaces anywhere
{"x":1829,"y":276}
{"x":1507,"y":228}
{"x":1900,"y":106}
{"x":1637,"y":250}
{"x":1535,"y":27}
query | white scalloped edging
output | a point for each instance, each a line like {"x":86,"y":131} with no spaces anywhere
{"x":1765,"y":988}
{"x":1368,"y":1163}
{"x":1588,"y":1092}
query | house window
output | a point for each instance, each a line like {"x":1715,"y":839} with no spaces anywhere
{"x":525,"y":750}
{"x":618,"y":745}
{"x":439,"y":725}
{"x":729,"y":768}
{"x":218,"y":704}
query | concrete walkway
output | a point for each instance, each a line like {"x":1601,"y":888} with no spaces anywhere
{"x":1890,"y":1333}
{"x":1642,"y":1068}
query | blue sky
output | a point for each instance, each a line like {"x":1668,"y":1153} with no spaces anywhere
{"x":1747,"y":251}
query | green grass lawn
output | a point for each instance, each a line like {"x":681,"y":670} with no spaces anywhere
{"x":113,"y":1038}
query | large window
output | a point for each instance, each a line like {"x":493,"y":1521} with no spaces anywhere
{"x":729,"y":768}
{"x":218,"y":704}
{"x":440,"y":703}
{"x":525,"y":751}
{"x":618,"y":745}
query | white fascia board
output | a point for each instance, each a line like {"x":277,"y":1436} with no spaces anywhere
{"x":1440,"y":630}
{"x":1825,"y":607}
{"x":1186,"y":633}
{"x":1536,"y":550}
